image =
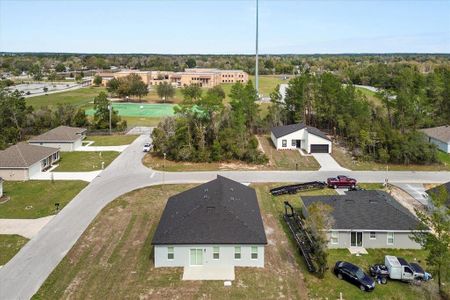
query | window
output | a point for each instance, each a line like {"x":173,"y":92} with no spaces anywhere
{"x":170,"y":253}
{"x":254,"y":252}
{"x":373,"y":235}
{"x":334,"y":237}
{"x":216,"y":252}
{"x":390,"y":238}
{"x":294,"y":143}
{"x":237,"y":252}
{"x":284,"y":143}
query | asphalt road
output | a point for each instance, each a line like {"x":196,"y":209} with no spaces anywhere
{"x":22,"y":276}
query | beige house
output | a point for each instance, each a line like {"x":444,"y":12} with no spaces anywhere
{"x":64,"y":138}
{"x":23,"y":161}
{"x":204,"y":77}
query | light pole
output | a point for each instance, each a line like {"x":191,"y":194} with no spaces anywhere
{"x":164,"y":167}
{"x":256,"y":65}
{"x":110,"y":111}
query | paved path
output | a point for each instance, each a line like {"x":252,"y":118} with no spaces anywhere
{"x":25,"y":227}
{"x":85,"y":176}
{"x":327,"y":162}
{"x":22,"y":276}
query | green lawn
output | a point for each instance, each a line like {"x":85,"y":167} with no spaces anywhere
{"x":80,"y":97}
{"x":84,"y":161}
{"x":141,"y":121}
{"x":111,"y":140}
{"x":370,"y":96}
{"x":331,"y":286}
{"x":36,"y":199}
{"x":345,"y":160}
{"x":9,"y":246}
{"x":444,"y":158}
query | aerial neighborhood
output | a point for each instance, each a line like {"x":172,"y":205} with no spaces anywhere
{"x":127,"y":174}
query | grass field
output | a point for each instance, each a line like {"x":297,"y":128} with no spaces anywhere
{"x":84,"y":161}
{"x":9,"y":246}
{"x":344,"y":159}
{"x":370,"y":96}
{"x":36,"y":199}
{"x":111,"y":140}
{"x":113,"y":259}
{"x":81,"y":97}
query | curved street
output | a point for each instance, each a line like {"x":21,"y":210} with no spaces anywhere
{"x":22,"y":276}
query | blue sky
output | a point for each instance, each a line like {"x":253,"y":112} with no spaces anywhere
{"x":214,"y":27}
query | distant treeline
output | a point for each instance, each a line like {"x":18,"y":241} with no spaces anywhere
{"x":346,"y":66}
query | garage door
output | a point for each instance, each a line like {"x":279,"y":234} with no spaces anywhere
{"x":319,"y":148}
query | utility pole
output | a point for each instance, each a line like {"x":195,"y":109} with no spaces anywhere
{"x":256,"y":66}
{"x":110,"y":111}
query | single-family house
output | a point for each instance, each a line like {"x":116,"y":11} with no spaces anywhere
{"x":440,"y":136}
{"x":436,"y":191}
{"x":300,"y":136}
{"x":22,"y":161}
{"x":214,"y":225}
{"x":369,"y":219}
{"x":64,"y":138}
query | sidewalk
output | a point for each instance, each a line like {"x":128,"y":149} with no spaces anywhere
{"x":101,"y":148}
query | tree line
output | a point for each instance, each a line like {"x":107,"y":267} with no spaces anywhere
{"x":18,"y":121}
{"x":384,"y":133}
{"x":206,"y":130}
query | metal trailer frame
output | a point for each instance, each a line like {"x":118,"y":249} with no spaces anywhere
{"x":302,"y":237}
{"x":294,"y":188}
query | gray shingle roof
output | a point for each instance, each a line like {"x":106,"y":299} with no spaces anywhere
{"x":221,"y":211}
{"x":60,"y":134}
{"x":24,"y":155}
{"x":280,"y":131}
{"x":441,"y":133}
{"x":367,"y":210}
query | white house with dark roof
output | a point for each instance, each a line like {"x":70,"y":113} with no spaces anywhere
{"x":216,"y":225}
{"x":368,"y":219}
{"x":440,"y":136}
{"x":301,"y":136}
{"x":22,"y":161}
{"x":64,"y":138}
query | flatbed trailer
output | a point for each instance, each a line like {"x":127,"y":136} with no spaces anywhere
{"x":301,"y":236}
{"x":294,"y":188}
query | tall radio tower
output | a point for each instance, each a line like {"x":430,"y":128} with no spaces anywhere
{"x":256,"y":66}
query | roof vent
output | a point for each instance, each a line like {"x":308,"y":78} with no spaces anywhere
{"x":210,"y":209}
{"x":373,"y":201}
{"x":232,"y":198}
{"x":205,"y":196}
{"x":205,"y":190}
{"x":231,"y":189}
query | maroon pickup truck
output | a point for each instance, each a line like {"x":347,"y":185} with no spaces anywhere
{"x":341,"y":181}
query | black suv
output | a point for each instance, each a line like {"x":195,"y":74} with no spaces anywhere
{"x":354,"y":274}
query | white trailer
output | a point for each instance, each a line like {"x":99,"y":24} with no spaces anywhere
{"x":399,"y":268}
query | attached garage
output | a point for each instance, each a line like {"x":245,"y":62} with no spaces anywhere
{"x":317,"y":148}
{"x":301,"y":136}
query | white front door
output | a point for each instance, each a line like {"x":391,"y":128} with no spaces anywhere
{"x":196,"y":257}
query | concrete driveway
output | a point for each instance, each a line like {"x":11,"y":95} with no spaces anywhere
{"x":25,"y":227}
{"x":85,"y":176}
{"x":327,"y":162}
{"x":416,"y":190}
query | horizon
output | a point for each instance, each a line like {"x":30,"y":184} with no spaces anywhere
{"x":225,"y":27}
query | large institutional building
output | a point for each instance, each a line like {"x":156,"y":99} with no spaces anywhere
{"x":203,"y":77}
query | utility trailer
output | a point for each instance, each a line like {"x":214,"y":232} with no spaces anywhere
{"x":301,"y":236}
{"x":294,"y":188}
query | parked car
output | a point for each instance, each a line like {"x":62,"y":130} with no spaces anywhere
{"x":341,"y":181}
{"x":147,"y":147}
{"x":354,"y":274}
